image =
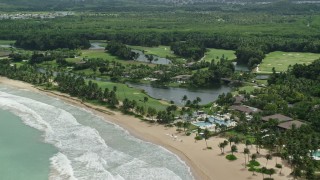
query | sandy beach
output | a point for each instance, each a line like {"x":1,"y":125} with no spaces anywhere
{"x":205,"y":164}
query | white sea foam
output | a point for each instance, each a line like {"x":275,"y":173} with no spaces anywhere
{"x":61,"y":168}
{"x":83,"y":153}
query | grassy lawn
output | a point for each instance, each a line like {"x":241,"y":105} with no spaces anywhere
{"x":281,"y":60}
{"x":123,"y":91}
{"x":161,"y":51}
{"x":100,"y":54}
{"x":7,"y":42}
{"x":214,"y":53}
{"x":248,"y":89}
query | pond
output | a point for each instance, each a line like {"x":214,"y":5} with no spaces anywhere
{"x":240,"y":67}
{"x":96,"y":46}
{"x":262,"y":76}
{"x":175,"y":94}
{"x":157,"y":60}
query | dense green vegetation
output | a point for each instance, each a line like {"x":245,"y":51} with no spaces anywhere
{"x":188,"y":32}
{"x":50,"y":42}
{"x":216,"y":33}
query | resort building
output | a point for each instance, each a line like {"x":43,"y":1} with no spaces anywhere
{"x":289,"y":124}
{"x":279,"y":117}
{"x":238,"y":100}
{"x":245,"y":109}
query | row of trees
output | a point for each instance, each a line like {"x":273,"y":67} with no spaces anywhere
{"x":52,"y":41}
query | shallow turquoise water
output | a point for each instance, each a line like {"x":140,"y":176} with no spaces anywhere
{"x":23,"y":155}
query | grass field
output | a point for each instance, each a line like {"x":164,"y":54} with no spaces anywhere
{"x":218,"y":53}
{"x":123,"y":91}
{"x":281,"y":60}
{"x":6,"y":42}
{"x":161,"y":51}
{"x":100,"y":54}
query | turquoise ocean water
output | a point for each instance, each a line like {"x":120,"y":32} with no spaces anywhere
{"x":23,"y":155}
{"x":44,"y":138}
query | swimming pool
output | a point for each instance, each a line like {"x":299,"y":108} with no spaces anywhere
{"x":202,"y":124}
{"x":316,"y":155}
{"x":218,"y":121}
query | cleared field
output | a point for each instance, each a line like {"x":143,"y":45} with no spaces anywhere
{"x":218,"y":53}
{"x":123,"y":91}
{"x":281,"y":60}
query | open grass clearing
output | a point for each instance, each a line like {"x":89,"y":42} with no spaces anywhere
{"x":123,"y":91}
{"x":88,"y":54}
{"x":160,"y":51}
{"x":7,"y":42}
{"x":281,"y":60}
{"x":216,"y":54}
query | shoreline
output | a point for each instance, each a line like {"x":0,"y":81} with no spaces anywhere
{"x":204,"y":164}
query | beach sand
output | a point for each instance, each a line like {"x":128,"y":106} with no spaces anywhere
{"x":205,"y":164}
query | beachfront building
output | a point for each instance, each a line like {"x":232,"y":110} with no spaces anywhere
{"x":245,"y":109}
{"x":290,"y":124}
{"x":279,"y":117}
{"x":285,"y":122}
{"x":213,"y":122}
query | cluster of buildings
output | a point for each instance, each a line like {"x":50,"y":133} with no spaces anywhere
{"x":35,"y":15}
{"x":285,"y":122}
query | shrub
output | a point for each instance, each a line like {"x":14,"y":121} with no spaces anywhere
{"x":253,"y":163}
{"x":231,"y":157}
{"x":188,"y":133}
{"x":198,"y":138}
{"x":209,"y":147}
{"x":278,"y":166}
{"x":267,"y":178}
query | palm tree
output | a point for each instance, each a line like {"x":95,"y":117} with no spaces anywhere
{"x":234,"y":149}
{"x":272,"y":172}
{"x":198,"y":131}
{"x":236,"y":140}
{"x":253,"y":158}
{"x":222,"y":145}
{"x":145,"y":99}
{"x":198,"y":99}
{"x":268,"y":157}
{"x":246,"y":152}
{"x":263,"y":171}
{"x":184,"y":98}
{"x":248,"y":142}
{"x":179,"y":124}
{"x":230,"y":139}
{"x":206,"y":135}
{"x":186,"y":125}
{"x":280,"y":167}
{"x":150,"y":57}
